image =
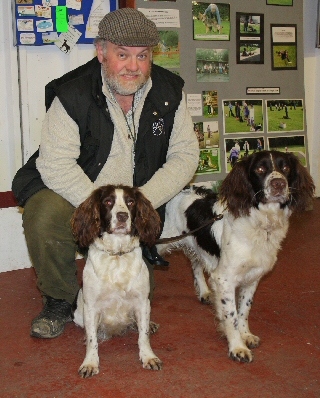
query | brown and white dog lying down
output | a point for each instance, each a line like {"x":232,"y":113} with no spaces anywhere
{"x":112,"y":222}
{"x":256,"y":200}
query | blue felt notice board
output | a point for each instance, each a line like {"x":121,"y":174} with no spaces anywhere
{"x":37,"y":24}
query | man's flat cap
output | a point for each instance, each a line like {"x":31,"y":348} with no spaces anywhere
{"x":128,"y":27}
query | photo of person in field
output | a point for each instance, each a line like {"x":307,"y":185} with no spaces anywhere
{"x":284,"y":56}
{"x":211,"y":21}
{"x":242,"y":116}
{"x":285,"y":115}
{"x":238,"y":148}
{"x":294,"y":144}
{"x":167,"y":52}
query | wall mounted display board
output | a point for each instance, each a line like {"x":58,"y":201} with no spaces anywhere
{"x":41,"y":22}
{"x":242,"y":63}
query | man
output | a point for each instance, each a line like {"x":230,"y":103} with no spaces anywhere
{"x":116,"y":120}
{"x":212,"y":11}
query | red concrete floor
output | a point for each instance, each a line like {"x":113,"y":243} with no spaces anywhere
{"x":285,"y":315}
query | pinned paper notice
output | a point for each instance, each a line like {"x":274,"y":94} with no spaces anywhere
{"x":68,"y":40}
{"x":61,"y":19}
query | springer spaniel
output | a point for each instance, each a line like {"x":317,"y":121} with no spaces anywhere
{"x":112,"y":222}
{"x":256,"y":200}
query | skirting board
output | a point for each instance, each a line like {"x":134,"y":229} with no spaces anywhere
{"x":13,"y":248}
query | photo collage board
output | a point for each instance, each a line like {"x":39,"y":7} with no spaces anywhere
{"x":242,"y":63}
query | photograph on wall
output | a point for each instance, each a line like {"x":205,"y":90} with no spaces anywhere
{"x":212,"y":65}
{"x":249,"y":53}
{"x":207,"y":134}
{"x":280,"y":2}
{"x":293,"y":144}
{"x":250,"y":38}
{"x":285,"y":115}
{"x":167,"y":52}
{"x":242,"y":116}
{"x":283,"y":47}
{"x":211,"y":21}
{"x":238,"y":148}
{"x":209,"y":161}
{"x":210,"y":103}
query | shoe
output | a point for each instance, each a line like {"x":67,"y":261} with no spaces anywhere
{"x":152,"y":255}
{"x":51,"y":321}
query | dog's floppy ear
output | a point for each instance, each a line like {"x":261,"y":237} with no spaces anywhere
{"x":85,"y":222}
{"x":236,"y":191}
{"x":301,"y":185}
{"x":147,"y":220}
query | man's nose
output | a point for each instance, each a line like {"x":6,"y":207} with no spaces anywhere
{"x":132,"y":64}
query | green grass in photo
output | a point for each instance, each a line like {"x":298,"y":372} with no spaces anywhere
{"x":200,"y":29}
{"x":167,"y":60}
{"x":233,"y":125}
{"x":277,"y":120}
{"x":252,"y":28}
{"x":280,"y":2}
{"x":290,"y":62}
{"x":208,"y":162}
{"x":298,"y":150}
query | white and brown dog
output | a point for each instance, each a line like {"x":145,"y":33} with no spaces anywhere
{"x":256,"y":200}
{"x":112,"y":222}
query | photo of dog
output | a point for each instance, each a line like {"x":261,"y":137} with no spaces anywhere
{"x":211,"y":24}
{"x":256,"y":200}
{"x":112,"y":222}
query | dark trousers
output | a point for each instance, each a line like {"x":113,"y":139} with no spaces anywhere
{"x":52,"y":249}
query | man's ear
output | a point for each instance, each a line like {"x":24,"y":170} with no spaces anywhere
{"x":99,"y":48}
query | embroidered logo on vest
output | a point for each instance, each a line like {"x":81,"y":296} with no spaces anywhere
{"x":158,"y":127}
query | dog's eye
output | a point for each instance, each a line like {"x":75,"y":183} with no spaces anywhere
{"x":108,"y":202}
{"x":286,"y":169}
{"x":261,"y":170}
{"x":130,"y":202}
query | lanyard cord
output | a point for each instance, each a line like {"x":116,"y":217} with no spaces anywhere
{"x":132,"y":134}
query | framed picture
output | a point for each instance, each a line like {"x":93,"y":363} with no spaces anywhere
{"x":280,"y":2}
{"x":250,"y":38}
{"x":318,"y":26}
{"x":211,"y":21}
{"x":284,"y":46}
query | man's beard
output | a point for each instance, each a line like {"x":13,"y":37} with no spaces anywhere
{"x":125,"y":87}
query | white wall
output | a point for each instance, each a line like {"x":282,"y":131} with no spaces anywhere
{"x":10,"y":137}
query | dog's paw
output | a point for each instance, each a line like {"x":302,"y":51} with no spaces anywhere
{"x":153,"y":364}
{"x":207,"y":299}
{"x":88,"y":371}
{"x":252,"y":341}
{"x":153,"y":327}
{"x":241,"y":355}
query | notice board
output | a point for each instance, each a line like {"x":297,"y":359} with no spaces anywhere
{"x":42,"y":22}
{"x":243,"y":73}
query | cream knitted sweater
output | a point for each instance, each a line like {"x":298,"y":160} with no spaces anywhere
{"x":60,"y":149}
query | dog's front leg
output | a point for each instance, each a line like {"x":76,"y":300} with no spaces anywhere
{"x":226,"y":312}
{"x":90,"y":365}
{"x":148,"y":358}
{"x":245,"y":301}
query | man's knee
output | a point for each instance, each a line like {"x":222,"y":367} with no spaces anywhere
{"x":46,"y":210}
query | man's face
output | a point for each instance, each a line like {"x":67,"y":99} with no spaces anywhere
{"x":126,"y":68}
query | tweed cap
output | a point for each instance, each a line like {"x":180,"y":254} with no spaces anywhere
{"x":128,"y":27}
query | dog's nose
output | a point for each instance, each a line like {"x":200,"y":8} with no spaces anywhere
{"x":278,"y":184}
{"x":122,"y":216}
